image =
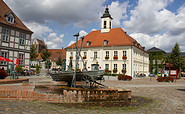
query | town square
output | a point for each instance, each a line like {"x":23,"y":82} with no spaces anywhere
{"x":95,"y":56}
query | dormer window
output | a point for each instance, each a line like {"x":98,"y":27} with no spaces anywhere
{"x":10,"y":18}
{"x":88,"y":43}
{"x":106,"y":42}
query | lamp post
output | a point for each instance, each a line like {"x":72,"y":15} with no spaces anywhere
{"x":74,"y":75}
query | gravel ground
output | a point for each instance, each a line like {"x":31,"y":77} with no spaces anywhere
{"x":168,"y":98}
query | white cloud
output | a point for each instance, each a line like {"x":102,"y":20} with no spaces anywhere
{"x":147,"y":17}
{"x":118,"y":12}
{"x":152,"y":24}
{"x":51,"y":38}
{"x":78,"y":12}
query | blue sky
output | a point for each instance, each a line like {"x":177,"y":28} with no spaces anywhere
{"x":159,"y":23}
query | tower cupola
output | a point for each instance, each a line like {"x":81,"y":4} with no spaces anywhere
{"x":106,"y":20}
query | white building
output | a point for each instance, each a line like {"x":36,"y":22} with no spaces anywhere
{"x":15,"y":38}
{"x":110,"y":48}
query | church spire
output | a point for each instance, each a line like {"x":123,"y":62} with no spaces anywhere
{"x":106,"y":23}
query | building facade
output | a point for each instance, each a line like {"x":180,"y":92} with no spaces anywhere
{"x":156,"y":57}
{"x":110,"y":49}
{"x":15,"y":38}
{"x":39,"y":45}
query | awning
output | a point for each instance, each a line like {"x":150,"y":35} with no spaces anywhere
{"x":5,"y":59}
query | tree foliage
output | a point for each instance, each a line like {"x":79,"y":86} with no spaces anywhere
{"x":33,"y":53}
{"x":174,"y":56}
{"x":45,"y":54}
{"x":59,"y":61}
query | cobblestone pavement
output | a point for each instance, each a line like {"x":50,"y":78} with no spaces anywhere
{"x":168,"y":98}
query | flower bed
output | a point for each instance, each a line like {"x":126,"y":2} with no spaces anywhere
{"x":124,"y":77}
{"x":165,"y":79}
{"x":3,"y":74}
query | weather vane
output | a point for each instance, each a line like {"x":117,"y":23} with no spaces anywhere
{"x":107,"y":3}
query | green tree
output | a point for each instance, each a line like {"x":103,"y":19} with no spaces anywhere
{"x":59,"y":61}
{"x":46,"y":54}
{"x":33,"y":53}
{"x":174,"y":57}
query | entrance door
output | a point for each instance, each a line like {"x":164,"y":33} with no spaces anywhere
{"x":95,"y":67}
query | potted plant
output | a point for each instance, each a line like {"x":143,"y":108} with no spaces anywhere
{"x":124,"y":57}
{"x":19,"y":69}
{"x":106,"y":57}
{"x":84,"y":57}
{"x":37,"y":69}
{"x":123,"y":71}
{"x":115,"y":70}
{"x":106,"y":70}
{"x":115,"y":57}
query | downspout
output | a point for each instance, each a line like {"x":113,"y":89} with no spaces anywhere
{"x":131,"y":61}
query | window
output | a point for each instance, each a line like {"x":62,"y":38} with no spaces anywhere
{"x":115,"y":66}
{"x":105,"y":24}
{"x":21,"y":59}
{"x":124,"y":66}
{"x":22,"y":38}
{"x":10,"y":19}
{"x":85,"y":54}
{"x":106,"y":66}
{"x":105,"y":42}
{"x":95,"y":54}
{"x":88,"y":43}
{"x":5,"y":55}
{"x":107,"y":53}
{"x":124,"y":53}
{"x":115,"y":53}
{"x":71,"y":54}
{"x":6,"y":34}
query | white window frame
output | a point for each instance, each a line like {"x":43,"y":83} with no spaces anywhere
{"x":107,"y":53}
{"x":124,"y":53}
{"x":85,"y":54}
{"x":22,"y":38}
{"x":116,"y":53}
{"x":5,"y":55}
{"x":124,"y":66}
{"x":95,"y":55}
{"x":115,"y":66}
{"x":106,"y":66}
{"x":21,"y":59}
{"x":6,"y":34}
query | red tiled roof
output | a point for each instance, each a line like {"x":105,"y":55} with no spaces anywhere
{"x":115,"y":37}
{"x":4,"y":9}
{"x":55,"y":54}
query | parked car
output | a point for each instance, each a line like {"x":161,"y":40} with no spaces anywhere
{"x":151,"y":74}
{"x":160,"y":75}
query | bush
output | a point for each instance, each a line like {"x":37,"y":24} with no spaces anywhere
{"x":37,"y":68}
{"x":3,"y":74}
{"x":165,"y":79}
{"x":124,"y":77}
{"x":19,"y":69}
